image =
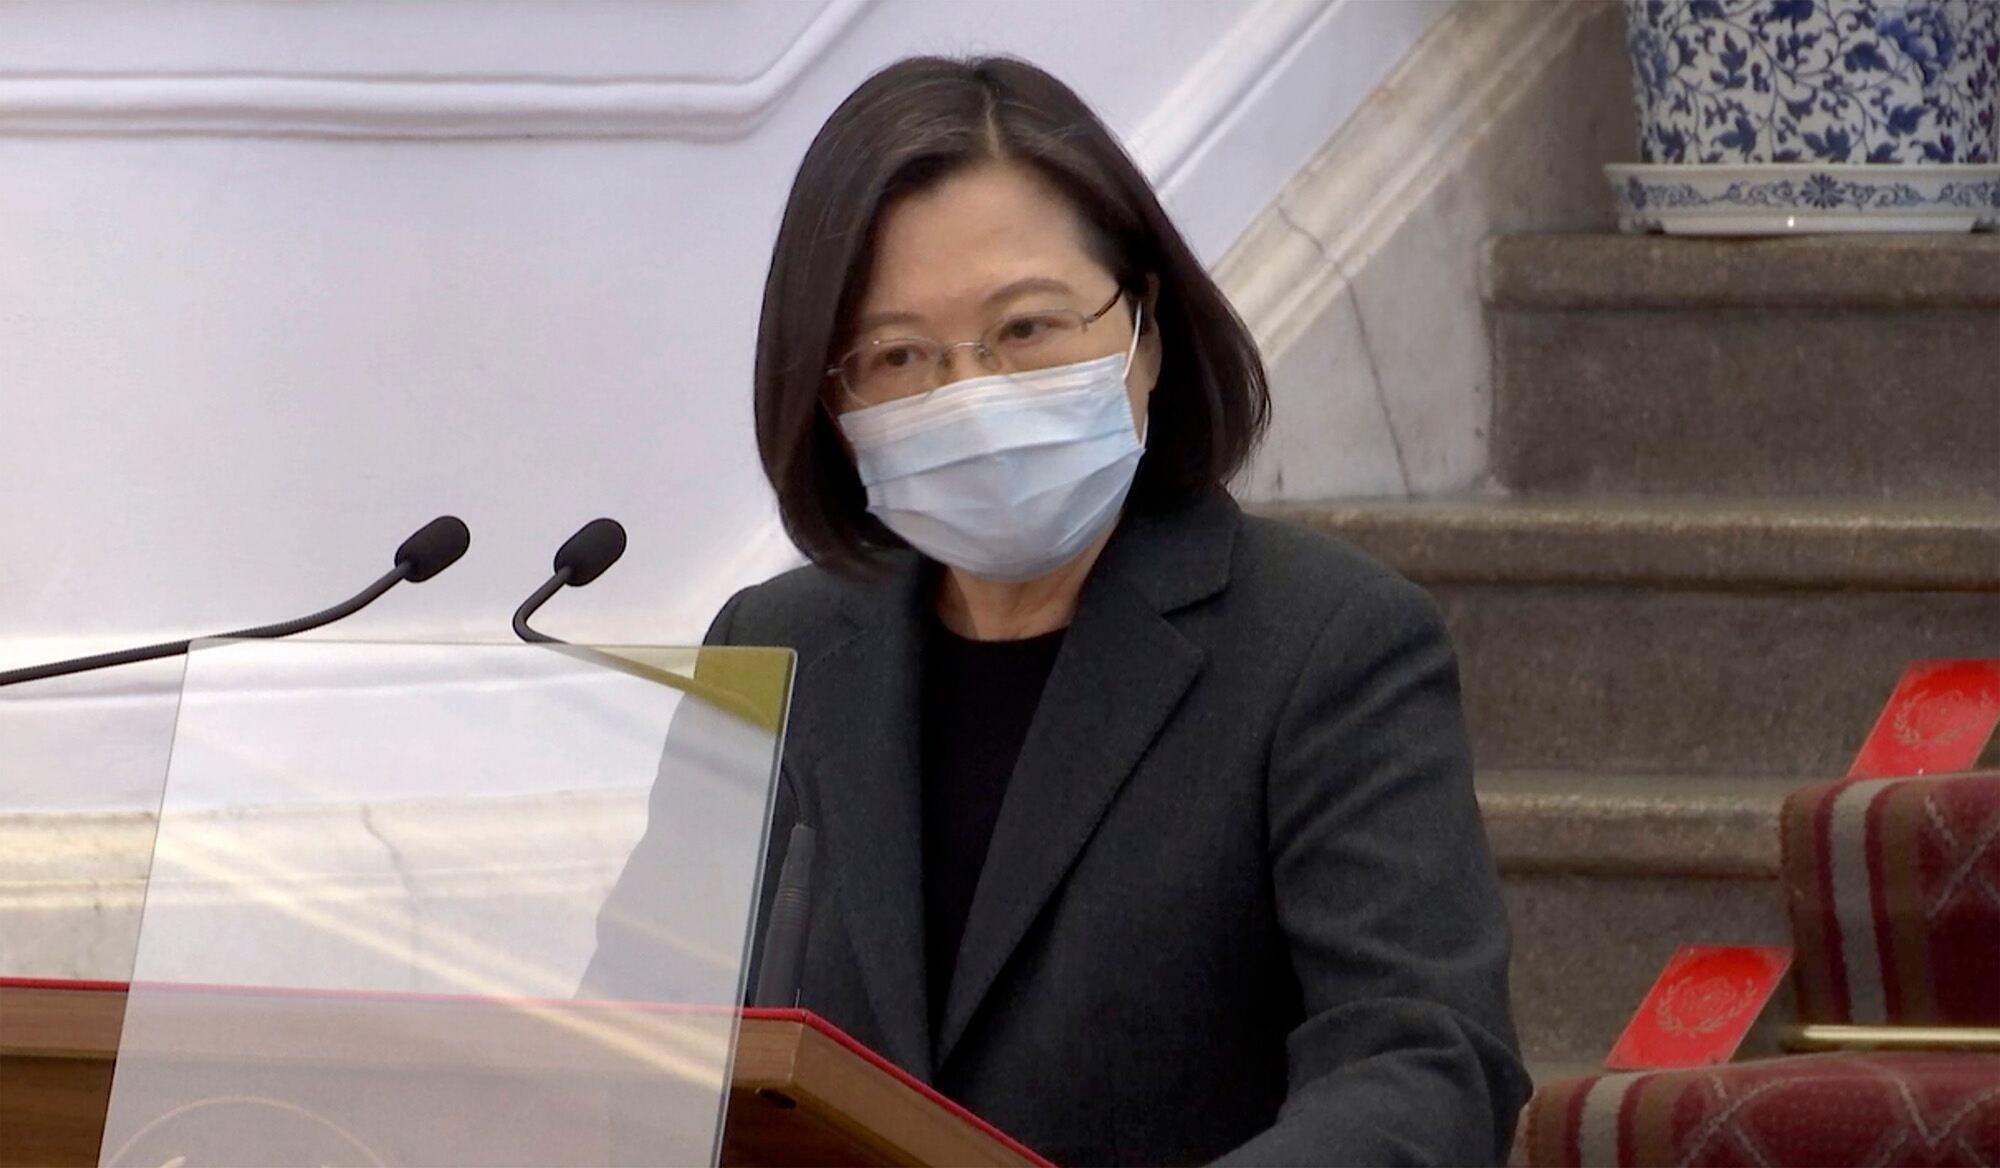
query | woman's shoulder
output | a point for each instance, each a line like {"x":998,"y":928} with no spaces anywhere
{"x":797,"y":607}
{"x":1285,"y":564}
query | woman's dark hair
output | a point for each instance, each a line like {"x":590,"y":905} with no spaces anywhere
{"x":908,"y":128}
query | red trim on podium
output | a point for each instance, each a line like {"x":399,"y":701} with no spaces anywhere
{"x":61,"y":983}
{"x":808,"y":1018}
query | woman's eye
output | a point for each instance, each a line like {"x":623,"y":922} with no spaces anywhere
{"x":893,"y":358}
{"x":1025,"y":329}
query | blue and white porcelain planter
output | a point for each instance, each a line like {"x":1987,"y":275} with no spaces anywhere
{"x":1791,"y":115}
{"x":1835,"y":81}
{"x":1789,"y":198}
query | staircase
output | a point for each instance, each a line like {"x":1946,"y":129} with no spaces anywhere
{"x":1745,"y":483}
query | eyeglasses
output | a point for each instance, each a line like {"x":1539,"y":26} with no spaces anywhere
{"x":895,"y":368}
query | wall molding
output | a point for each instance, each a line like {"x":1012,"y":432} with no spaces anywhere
{"x":1367,"y":179}
{"x":1199,"y":107}
{"x":279,"y":105}
{"x":1260,"y":102}
{"x":1360,"y":281}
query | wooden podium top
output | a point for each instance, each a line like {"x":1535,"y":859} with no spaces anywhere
{"x":800,"y":1090}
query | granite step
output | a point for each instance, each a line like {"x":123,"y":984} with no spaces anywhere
{"x":1685,"y":636}
{"x":1861,"y":366}
{"x":1605,"y":875}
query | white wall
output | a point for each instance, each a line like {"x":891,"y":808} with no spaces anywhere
{"x":281,"y":281}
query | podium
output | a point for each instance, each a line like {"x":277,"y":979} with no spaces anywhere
{"x":801,"y":1092}
{"x":443,"y":904}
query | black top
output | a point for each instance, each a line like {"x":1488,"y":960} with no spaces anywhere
{"x":979,"y":697}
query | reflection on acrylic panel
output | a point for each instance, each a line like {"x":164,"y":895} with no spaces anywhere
{"x":377,"y":887}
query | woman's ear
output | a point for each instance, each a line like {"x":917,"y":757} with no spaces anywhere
{"x":1148,"y":357}
{"x":1143,"y":374}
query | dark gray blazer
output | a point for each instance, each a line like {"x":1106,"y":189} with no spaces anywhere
{"x":1239,"y":901}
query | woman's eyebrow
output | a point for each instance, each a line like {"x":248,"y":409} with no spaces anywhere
{"x":1005,"y":292}
{"x":1025,"y":286}
{"x":875,"y":320}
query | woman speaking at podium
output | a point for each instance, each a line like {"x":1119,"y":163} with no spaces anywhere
{"x":1145,"y":828}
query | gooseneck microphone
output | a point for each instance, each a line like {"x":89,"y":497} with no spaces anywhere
{"x":781,"y":975}
{"x":435,"y":546}
{"x":583,"y":557}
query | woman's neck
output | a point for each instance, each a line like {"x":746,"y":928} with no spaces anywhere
{"x":997,"y":610}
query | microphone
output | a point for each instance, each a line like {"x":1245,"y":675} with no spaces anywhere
{"x":432,"y":548}
{"x":435,"y":546}
{"x":583,"y":557}
{"x":782,"y":963}
{"x":779,"y":977}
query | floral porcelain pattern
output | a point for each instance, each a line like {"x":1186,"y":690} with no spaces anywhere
{"x":1647,"y":197}
{"x":1838,"y":81}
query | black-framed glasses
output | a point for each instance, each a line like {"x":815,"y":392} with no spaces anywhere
{"x":897,"y":368}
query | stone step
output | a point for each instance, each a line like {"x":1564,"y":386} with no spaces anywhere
{"x":1606,"y":875}
{"x":1685,"y":636}
{"x":1863,"y":366}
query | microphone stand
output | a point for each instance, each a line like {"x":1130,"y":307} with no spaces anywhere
{"x":435,"y":547}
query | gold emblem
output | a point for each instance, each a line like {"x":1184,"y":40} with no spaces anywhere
{"x":1704,"y":1005}
{"x":243,"y":1129}
{"x":1937,"y":719}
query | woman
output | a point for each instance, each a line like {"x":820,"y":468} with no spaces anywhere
{"x":1145,"y":828}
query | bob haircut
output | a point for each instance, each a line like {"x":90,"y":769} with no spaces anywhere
{"x":904,"y":130}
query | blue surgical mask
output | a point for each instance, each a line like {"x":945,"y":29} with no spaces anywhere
{"x":1006,"y":477}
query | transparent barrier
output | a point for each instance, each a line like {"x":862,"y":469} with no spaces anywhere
{"x":81,"y":761}
{"x":380,"y":926}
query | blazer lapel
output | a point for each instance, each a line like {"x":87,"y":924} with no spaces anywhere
{"x":1122,"y":671}
{"x":864,"y":708}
